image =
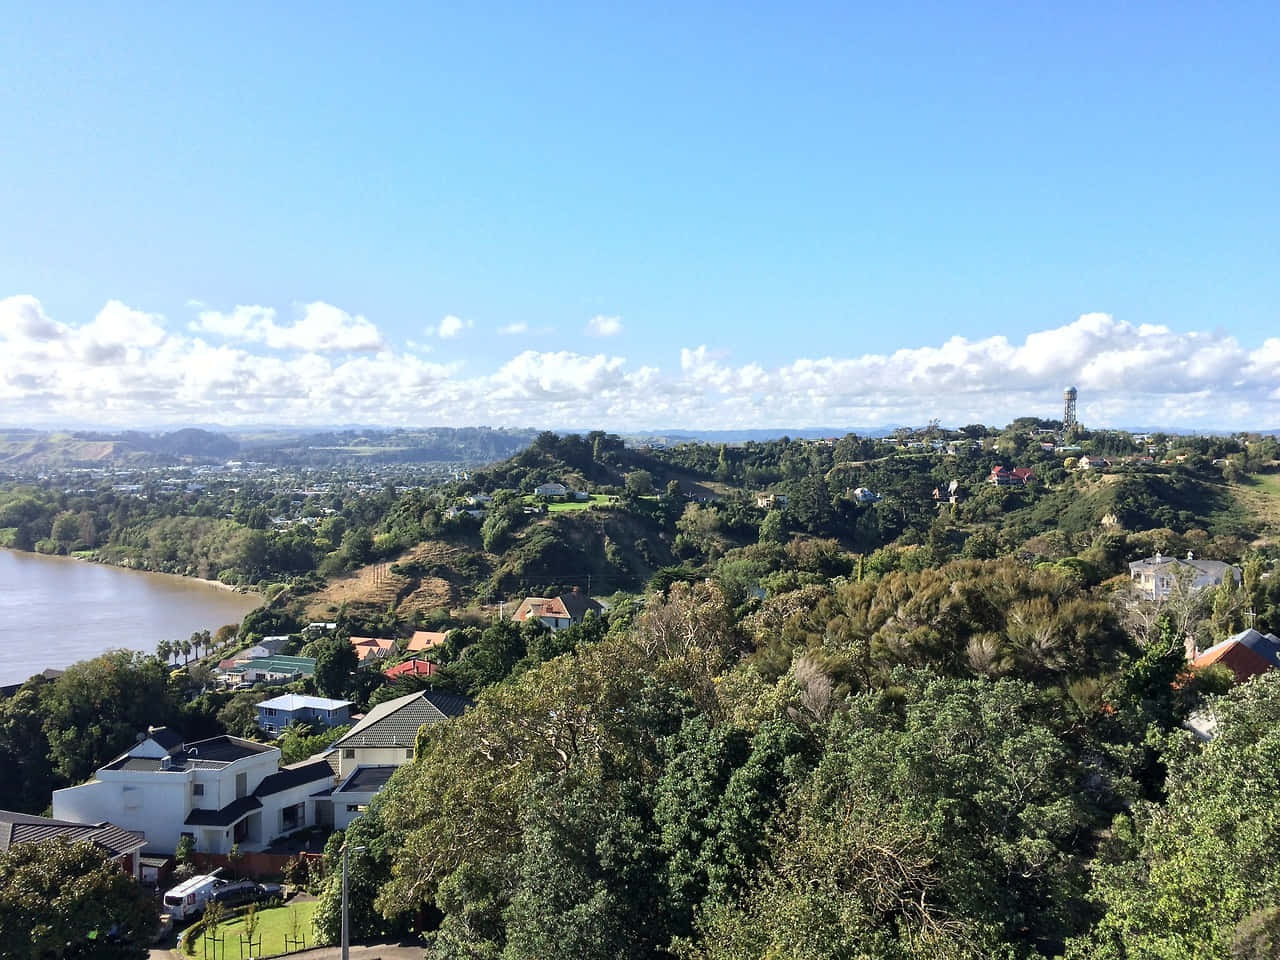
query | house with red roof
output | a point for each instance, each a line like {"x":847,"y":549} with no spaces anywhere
{"x":1247,"y":654}
{"x":1017,"y":477}
{"x":411,"y":668}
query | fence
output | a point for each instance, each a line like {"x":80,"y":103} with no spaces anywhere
{"x":256,"y":865}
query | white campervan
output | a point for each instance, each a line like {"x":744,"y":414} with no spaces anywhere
{"x":189,"y":897}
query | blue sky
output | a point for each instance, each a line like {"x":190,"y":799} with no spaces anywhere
{"x":779,"y":187}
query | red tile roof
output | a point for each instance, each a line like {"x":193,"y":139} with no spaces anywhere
{"x":411,"y":668}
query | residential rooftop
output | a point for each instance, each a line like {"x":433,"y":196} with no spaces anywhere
{"x":299,"y":701}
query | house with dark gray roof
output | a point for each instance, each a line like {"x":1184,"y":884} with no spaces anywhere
{"x":219,"y":791}
{"x":120,"y":845}
{"x":370,"y":751}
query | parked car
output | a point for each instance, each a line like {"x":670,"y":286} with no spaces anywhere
{"x":241,"y":892}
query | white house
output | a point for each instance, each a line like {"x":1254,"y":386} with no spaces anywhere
{"x":551,"y":490}
{"x":385,"y":739}
{"x":266,"y":647}
{"x":1156,"y":577}
{"x":557,"y":612}
{"x":863,"y":495}
{"x":767,"y":501}
{"x":220,"y":791}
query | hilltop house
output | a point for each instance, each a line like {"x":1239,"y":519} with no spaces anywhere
{"x":1155,"y":577}
{"x":122,"y":847}
{"x":1017,"y":477}
{"x":550,"y":490}
{"x":1092,"y":463}
{"x":367,"y":755}
{"x":863,"y":495}
{"x":767,"y":501}
{"x":557,"y":612}
{"x":278,"y":712}
{"x":220,"y":791}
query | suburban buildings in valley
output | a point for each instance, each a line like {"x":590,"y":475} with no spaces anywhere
{"x":1154,"y":578}
{"x":557,"y":612}
{"x":219,"y":791}
{"x":278,"y":712}
{"x":123,"y":847}
{"x":369,"y":753}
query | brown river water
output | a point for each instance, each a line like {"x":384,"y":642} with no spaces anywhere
{"x":56,"y":610}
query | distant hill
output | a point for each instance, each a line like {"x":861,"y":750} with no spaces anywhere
{"x":38,"y":450}
{"x":33,"y":450}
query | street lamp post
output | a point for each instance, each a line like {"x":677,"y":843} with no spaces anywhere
{"x":346,"y":949}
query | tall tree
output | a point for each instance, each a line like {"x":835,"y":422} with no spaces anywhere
{"x":61,"y":899}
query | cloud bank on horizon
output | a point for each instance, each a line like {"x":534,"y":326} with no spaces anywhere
{"x":127,"y":367}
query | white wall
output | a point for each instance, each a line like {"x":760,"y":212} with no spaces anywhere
{"x":155,"y":808}
{"x":372,"y":757}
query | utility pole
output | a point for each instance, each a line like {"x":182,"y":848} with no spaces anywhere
{"x":346,"y":949}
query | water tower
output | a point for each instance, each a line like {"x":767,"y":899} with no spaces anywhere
{"x":1068,"y":408}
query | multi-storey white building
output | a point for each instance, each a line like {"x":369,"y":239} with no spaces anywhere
{"x":220,"y":791}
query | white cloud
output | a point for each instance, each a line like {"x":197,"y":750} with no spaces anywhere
{"x":602,"y":326}
{"x":23,"y":317}
{"x":451,"y":327}
{"x":511,"y":329}
{"x":126,"y":366}
{"x":321,"y":327}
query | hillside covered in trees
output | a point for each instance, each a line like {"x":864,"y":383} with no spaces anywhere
{"x":836,"y":704}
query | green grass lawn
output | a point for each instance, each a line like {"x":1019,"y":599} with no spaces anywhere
{"x":571,"y":505}
{"x":273,"y":924}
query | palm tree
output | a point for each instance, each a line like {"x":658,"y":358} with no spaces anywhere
{"x":164,"y":650}
{"x":186,"y":652}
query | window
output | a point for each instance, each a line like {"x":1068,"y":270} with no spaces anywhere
{"x":408,"y":754}
{"x":197,"y":789}
{"x":348,"y":754}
